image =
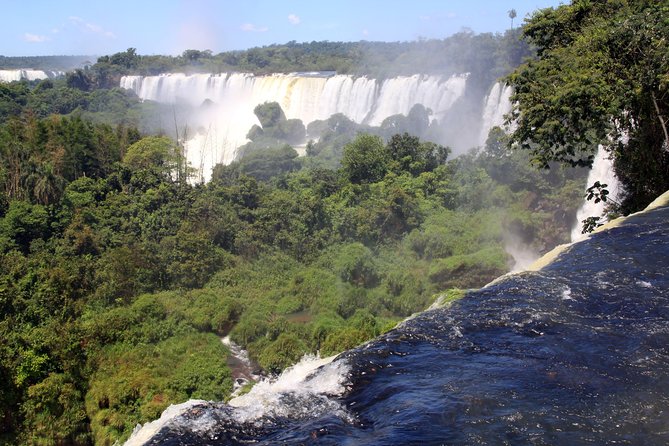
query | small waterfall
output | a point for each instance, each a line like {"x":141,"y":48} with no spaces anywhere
{"x":496,"y":105}
{"x":602,"y":171}
{"x":240,"y":364}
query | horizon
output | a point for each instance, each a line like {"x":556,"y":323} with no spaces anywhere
{"x":84,"y":28}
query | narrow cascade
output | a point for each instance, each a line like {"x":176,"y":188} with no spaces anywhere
{"x":602,"y":171}
{"x":217,"y":130}
{"x":241,"y":367}
{"x":496,"y":105}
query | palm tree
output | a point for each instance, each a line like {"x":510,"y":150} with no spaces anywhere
{"x":47,"y":185}
{"x":512,"y":15}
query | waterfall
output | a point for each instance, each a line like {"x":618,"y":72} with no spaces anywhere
{"x":399,"y":94}
{"x":496,"y":105}
{"x":29,"y":75}
{"x":602,"y":171}
{"x":222,"y":127}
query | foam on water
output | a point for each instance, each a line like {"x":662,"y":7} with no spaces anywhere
{"x":144,"y":433}
{"x":302,"y":391}
{"x":267,"y":398}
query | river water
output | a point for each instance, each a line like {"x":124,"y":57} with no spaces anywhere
{"x":574,"y":354}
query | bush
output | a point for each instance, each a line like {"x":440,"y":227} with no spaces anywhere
{"x":469,"y":270}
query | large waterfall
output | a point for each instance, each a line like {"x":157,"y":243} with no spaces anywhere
{"x":218,"y":128}
{"x":30,"y":75}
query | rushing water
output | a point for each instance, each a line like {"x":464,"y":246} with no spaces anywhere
{"x":497,"y":105}
{"x":574,"y":354}
{"x":602,"y":171}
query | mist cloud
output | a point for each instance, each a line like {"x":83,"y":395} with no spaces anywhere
{"x":293,"y":19}
{"x":34,"y":38}
{"x":250,"y":27}
{"x":91,"y":27}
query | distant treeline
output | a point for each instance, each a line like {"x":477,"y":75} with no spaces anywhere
{"x":487,"y":56}
{"x":59,"y":63}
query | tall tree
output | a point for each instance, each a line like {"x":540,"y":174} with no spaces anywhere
{"x":512,"y":15}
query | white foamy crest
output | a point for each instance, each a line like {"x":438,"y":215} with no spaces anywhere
{"x":144,"y":433}
{"x":302,"y":391}
{"x":311,"y":378}
{"x":566,"y":294}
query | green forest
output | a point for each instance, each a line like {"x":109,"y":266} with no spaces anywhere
{"x":119,"y":276}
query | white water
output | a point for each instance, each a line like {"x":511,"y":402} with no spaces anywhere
{"x":602,"y":171}
{"x":241,"y":366}
{"x":30,"y":75}
{"x":300,"y":380}
{"x":496,"y":105}
{"x":219,"y":129}
{"x":311,"y":382}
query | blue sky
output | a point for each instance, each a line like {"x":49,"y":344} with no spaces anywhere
{"x":92,"y":27}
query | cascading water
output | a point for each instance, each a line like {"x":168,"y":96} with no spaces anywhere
{"x":221,"y":127}
{"x":30,"y":75}
{"x":573,"y":354}
{"x":302,"y":391}
{"x":602,"y":171}
{"x":497,"y":105}
{"x":241,"y":367}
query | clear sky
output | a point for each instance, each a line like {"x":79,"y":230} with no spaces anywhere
{"x":93,"y":27}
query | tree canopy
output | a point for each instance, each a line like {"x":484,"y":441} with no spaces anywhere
{"x":601,"y":77}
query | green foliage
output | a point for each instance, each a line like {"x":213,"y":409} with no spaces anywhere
{"x":365,"y":159}
{"x":54,"y":412}
{"x":285,"y":351}
{"x":354,"y":263}
{"x":135,"y":383}
{"x":468,"y":270}
{"x":269,"y":114}
{"x":22,"y":224}
{"x":463,"y":52}
{"x":152,"y":151}
{"x":600,"y":79}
